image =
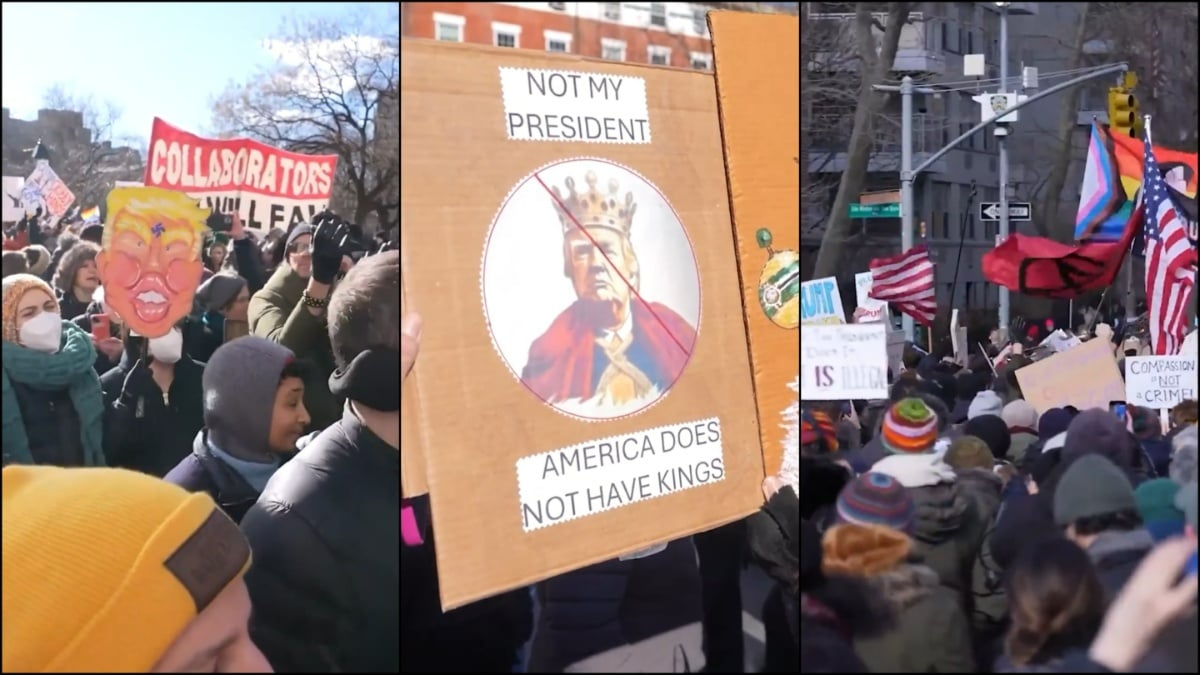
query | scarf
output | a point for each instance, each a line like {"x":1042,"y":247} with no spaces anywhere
{"x":69,"y":368}
{"x":913,"y":471}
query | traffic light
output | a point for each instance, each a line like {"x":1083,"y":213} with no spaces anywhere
{"x":1123,"y":115}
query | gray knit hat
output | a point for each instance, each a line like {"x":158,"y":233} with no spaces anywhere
{"x":219,"y":291}
{"x":240,"y":381}
{"x":1091,"y":486}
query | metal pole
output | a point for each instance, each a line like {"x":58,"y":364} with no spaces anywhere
{"x":906,"y":180}
{"x":1003,"y":145}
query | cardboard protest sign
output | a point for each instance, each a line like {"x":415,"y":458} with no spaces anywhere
{"x":267,"y":186}
{"x":584,"y":386}
{"x":150,"y":261}
{"x":1085,"y":377}
{"x":13,"y":208}
{"x":45,"y":189}
{"x":760,"y":120}
{"x":895,"y":350}
{"x":821,"y":303}
{"x":869,"y":309}
{"x":844,"y":362}
{"x":1160,"y":382}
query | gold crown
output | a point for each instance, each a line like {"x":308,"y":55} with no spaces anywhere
{"x":593,"y":209}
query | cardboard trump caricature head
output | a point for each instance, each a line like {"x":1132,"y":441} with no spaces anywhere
{"x":150,"y":264}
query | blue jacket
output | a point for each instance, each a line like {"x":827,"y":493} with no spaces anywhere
{"x":200,"y":471}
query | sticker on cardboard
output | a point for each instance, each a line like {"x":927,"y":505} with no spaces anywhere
{"x":591,"y":289}
{"x":596,"y":476}
{"x":560,"y":105}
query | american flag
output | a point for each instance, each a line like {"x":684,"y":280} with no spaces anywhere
{"x":1170,"y":262}
{"x":906,"y":281}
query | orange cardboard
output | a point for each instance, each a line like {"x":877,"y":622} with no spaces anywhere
{"x":583,"y":389}
{"x":757,"y":59}
{"x":1085,"y":377}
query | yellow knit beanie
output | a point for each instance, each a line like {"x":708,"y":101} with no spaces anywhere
{"x":104,"y":568}
{"x":15,"y":286}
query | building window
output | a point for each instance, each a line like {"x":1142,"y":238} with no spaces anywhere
{"x":612,"y":50}
{"x":659,"y":56}
{"x":612,"y":11}
{"x":557,"y":41}
{"x":701,"y":61}
{"x":448,"y":27}
{"x":506,"y":34}
{"x":658,"y":14}
{"x":699,"y":23}
{"x":969,"y":160}
{"x":970,"y":42}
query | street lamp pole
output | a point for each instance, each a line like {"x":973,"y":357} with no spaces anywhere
{"x":1001,"y":132}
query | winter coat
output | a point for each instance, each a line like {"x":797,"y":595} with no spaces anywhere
{"x":249,"y":263}
{"x":326,"y":539}
{"x":70,"y":306}
{"x":145,"y":430}
{"x":200,"y":471}
{"x":639,"y":615}
{"x":484,"y":636}
{"x":1116,"y":555}
{"x":930,"y":634}
{"x":1019,"y":444}
{"x":948,"y":531}
{"x":989,"y":600}
{"x":826,"y":645}
{"x":1174,"y":650}
{"x":53,"y":411}
{"x":275,"y":313}
{"x":1158,"y":454}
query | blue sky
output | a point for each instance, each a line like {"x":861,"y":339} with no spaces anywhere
{"x":164,"y":59}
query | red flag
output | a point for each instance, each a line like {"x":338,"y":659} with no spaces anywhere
{"x":906,"y":280}
{"x":1048,"y":269}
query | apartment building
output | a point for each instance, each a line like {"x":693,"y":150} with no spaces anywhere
{"x":948,"y":193}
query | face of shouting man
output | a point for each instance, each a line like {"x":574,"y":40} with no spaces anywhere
{"x":151,"y":265}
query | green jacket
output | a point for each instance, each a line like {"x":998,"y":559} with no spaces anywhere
{"x":275,"y":313}
{"x":930,"y":634}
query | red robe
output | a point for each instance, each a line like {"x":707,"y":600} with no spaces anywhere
{"x":562,"y":363}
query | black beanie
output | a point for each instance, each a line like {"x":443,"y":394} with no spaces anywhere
{"x":993,"y":431}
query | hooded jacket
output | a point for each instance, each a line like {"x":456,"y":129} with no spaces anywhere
{"x":931,"y":633}
{"x":1099,"y":431}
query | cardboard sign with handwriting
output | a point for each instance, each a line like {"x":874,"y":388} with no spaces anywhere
{"x":1085,"y":377}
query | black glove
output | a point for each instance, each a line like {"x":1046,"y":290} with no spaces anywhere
{"x":328,"y":239}
{"x":774,"y":534}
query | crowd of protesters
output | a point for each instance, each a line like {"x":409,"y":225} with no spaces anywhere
{"x":157,"y":490}
{"x":953,"y":528}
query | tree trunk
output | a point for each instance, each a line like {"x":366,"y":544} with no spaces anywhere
{"x":875,"y":69}
{"x":1050,"y":223}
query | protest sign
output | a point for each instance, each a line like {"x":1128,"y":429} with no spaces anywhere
{"x":1085,"y":377}
{"x":1160,"y":382}
{"x":844,"y":362}
{"x":760,"y":116}
{"x":269,"y":187}
{"x":821,"y":303}
{"x":869,"y":309}
{"x":895,"y":350}
{"x":45,"y":189}
{"x":632,"y":425}
{"x":13,"y":209}
{"x":150,"y":265}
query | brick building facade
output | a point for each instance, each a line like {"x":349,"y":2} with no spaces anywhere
{"x":667,"y":34}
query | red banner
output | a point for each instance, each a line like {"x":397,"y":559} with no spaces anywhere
{"x":269,"y":187}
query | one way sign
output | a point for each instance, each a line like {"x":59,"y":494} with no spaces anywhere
{"x":1017,"y":211}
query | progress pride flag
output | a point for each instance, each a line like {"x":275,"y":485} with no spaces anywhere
{"x":267,"y":186}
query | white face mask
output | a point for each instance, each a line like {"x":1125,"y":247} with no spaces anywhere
{"x":42,"y":333}
{"x":168,"y":348}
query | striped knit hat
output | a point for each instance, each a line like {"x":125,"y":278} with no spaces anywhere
{"x":817,"y":427}
{"x":876,"y":499}
{"x":909,"y":427}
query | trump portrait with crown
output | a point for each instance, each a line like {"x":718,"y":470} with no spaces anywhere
{"x":611,"y":351}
